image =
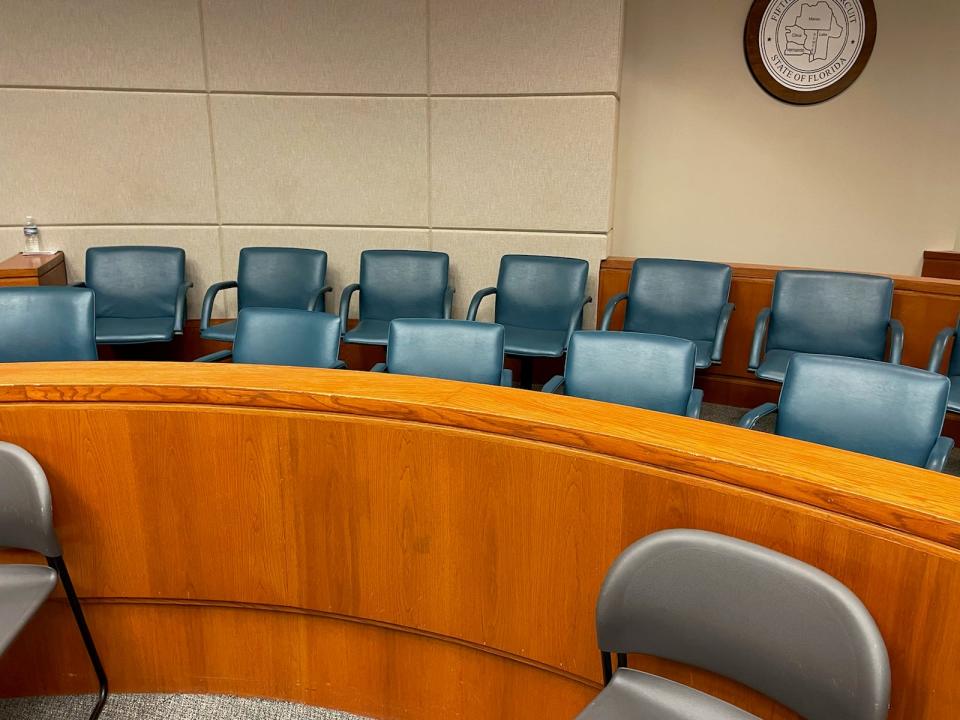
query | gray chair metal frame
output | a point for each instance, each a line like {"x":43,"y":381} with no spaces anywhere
{"x":766,"y":620}
{"x":26,"y":523}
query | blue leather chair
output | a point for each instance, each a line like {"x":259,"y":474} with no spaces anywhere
{"x":141,"y":293}
{"x":446,"y":349}
{"x":654,"y":372}
{"x":824,"y":313}
{"x":682,"y":298}
{"x":41,"y":324}
{"x":766,"y":620}
{"x":269,"y":277}
{"x":540,"y":301}
{"x":953,"y":366}
{"x":284,"y":336}
{"x":26,"y":523}
{"x":866,"y":406}
{"x":396,"y":284}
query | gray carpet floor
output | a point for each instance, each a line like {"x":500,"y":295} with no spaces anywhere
{"x":164,"y":707}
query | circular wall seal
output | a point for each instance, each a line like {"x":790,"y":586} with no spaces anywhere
{"x":808,"y":51}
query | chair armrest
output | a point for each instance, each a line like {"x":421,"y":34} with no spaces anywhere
{"x":506,"y":377}
{"x":695,"y":403}
{"x":939,"y":348}
{"x":750,"y":418}
{"x":215,"y":357}
{"x":759,"y":338}
{"x":938,"y":456}
{"x":180,"y":311}
{"x":896,"y":341}
{"x":609,"y":309}
{"x":448,"y":302}
{"x":576,"y":321}
{"x":379,"y":367}
{"x":319,"y":301}
{"x":721,"y":335}
{"x":553,"y":384}
{"x":339,"y":365}
{"x":206,"y":310}
{"x":475,"y":302}
{"x":345,"y":296}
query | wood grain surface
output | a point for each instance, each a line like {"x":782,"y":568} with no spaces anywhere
{"x":411,"y":548}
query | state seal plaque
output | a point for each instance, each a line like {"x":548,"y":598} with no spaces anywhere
{"x":808,"y":51}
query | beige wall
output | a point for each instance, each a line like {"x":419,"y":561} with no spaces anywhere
{"x":712,"y":167}
{"x":473,"y":128}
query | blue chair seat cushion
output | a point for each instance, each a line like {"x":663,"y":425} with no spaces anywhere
{"x":533,"y":342}
{"x":774,"y":365}
{"x":23,"y":588}
{"x":953,"y":399}
{"x":224,"y":332}
{"x":114,"y":330}
{"x":369,"y":332}
{"x":632,"y":694}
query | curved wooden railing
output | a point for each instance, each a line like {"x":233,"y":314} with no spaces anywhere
{"x":403,"y":547}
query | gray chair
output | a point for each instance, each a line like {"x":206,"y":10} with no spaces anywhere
{"x":26,"y":523}
{"x":654,"y":372}
{"x":396,"y":284}
{"x":953,"y":366}
{"x":681,"y":298}
{"x":46,"y":324}
{"x":275,"y":277}
{"x":283,"y":336}
{"x":866,"y":406}
{"x":141,"y":292}
{"x":824,"y":313}
{"x":742,"y":611}
{"x":446,"y":349}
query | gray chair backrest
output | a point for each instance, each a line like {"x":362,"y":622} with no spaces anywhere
{"x":403,"y":283}
{"x":866,"y":406}
{"x":446,"y":349}
{"x":540,"y":291}
{"x":830,"y":313}
{"x":26,"y":510}
{"x":135,"y":281}
{"x":284,"y":336}
{"x":280,"y":277}
{"x":45,"y":324}
{"x":766,"y":620}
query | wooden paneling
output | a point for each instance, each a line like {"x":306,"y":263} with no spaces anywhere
{"x":403,"y":547}
{"x":941,"y":264}
{"x":923,"y":305}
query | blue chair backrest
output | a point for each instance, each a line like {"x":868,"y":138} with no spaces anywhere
{"x":682,"y":298}
{"x":446,"y":349}
{"x":889,"y":411}
{"x":135,"y":281}
{"x":284,"y":336}
{"x":540,"y":291}
{"x":46,"y":324}
{"x":764,"y":619}
{"x":830,"y":313}
{"x":280,"y":277}
{"x":654,"y":372}
{"x":402,"y":283}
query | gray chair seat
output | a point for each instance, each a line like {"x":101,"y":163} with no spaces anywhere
{"x":111,"y":330}
{"x":529,"y":341}
{"x":632,"y":695}
{"x":224,"y":332}
{"x":774,"y":365}
{"x":369,"y":332}
{"x":23,"y":588}
{"x":953,"y":399}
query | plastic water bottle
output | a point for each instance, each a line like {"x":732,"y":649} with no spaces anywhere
{"x":31,"y":237}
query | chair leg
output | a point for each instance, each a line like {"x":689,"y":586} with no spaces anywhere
{"x":60,"y":566}
{"x":526,"y":372}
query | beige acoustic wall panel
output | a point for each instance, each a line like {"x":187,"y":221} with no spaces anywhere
{"x":104,"y":157}
{"x":317,"y":46}
{"x":138,"y":44}
{"x":475,"y":261}
{"x":523,"y":163}
{"x":342,"y":245}
{"x":525,"y":46}
{"x":199,"y":243}
{"x":321,"y":160}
